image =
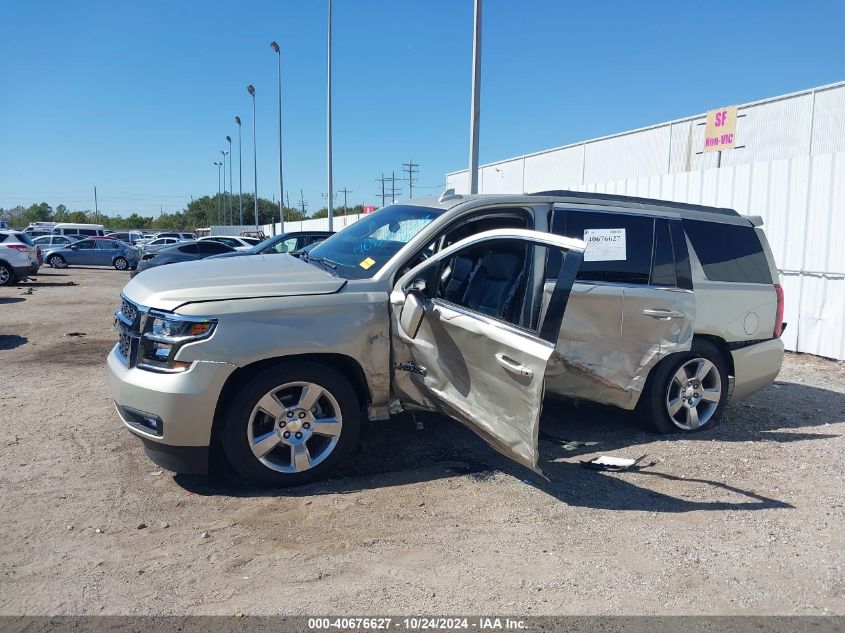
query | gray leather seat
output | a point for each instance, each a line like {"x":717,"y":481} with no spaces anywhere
{"x":494,"y":284}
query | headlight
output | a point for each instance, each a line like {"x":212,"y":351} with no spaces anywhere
{"x":163,"y":337}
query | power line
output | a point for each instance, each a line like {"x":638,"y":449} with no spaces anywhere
{"x":345,"y":191}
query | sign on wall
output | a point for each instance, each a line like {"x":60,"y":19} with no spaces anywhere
{"x":720,"y":131}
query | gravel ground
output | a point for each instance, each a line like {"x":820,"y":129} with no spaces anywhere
{"x":745,"y":518}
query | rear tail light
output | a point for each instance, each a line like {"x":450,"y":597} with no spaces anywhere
{"x":779,"y":317}
{"x":19,"y":247}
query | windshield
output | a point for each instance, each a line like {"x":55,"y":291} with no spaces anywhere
{"x":361,"y":249}
{"x":270,"y":241}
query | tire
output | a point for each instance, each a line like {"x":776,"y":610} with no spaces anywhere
{"x":120,"y":263}
{"x":687,"y":392}
{"x":56,"y":261}
{"x":279,"y":390}
{"x":7,"y":275}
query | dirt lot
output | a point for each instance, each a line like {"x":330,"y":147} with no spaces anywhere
{"x":746,"y":518}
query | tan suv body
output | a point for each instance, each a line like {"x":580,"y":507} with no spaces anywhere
{"x":473,"y":306}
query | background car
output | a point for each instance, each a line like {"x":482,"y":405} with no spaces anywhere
{"x":181,"y":252}
{"x":238,"y":243}
{"x":94,"y":252}
{"x":18,"y":257}
{"x":130,"y":237}
{"x":285,"y":243}
{"x":46,"y":241}
{"x":178,"y":235}
{"x":158,"y":243}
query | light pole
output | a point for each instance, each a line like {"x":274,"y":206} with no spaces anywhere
{"x":251,"y":90}
{"x":475,"y":107}
{"x":276,"y":48}
{"x":231,"y":193}
{"x":225,"y":204}
{"x":219,"y":199}
{"x":329,"y":120}
{"x":240,"y":174}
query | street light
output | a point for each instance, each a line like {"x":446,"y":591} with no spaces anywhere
{"x":231,"y":193}
{"x":219,"y":199}
{"x":240,"y":174}
{"x":276,"y":48}
{"x":329,"y":121}
{"x":225,"y":197}
{"x":251,"y":90}
{"x":475,"y":105}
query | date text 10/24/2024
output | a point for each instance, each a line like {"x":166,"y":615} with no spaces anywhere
{"x":417,"y":623}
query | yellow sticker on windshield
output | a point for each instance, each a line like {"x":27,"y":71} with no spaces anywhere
{"x":365,"y":264}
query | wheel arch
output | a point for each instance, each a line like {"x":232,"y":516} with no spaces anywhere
{"x":347,"y":365}
{"x":718,"y":342}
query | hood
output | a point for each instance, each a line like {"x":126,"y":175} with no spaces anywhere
{"x":170,"y":286}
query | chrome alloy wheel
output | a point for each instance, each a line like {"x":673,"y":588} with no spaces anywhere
{"x":5,"y":276}
{"x":694,"y":394}
{"x":294,"y":427}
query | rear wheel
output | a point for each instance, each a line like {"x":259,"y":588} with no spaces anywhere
{"x":120,"y":263}
{"x":292,"y":424}
{"x":7,"y":275}
{"x":56,"y":261}
{"x":688,"y":392}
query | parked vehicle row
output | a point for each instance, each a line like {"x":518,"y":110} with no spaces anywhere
{"x":472,"y":306}
{"x":98,"y":251}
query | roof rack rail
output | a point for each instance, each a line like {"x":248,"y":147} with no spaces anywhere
{"x":636,"y":200}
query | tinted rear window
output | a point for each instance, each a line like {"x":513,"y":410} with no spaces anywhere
{"x":728,"y":252}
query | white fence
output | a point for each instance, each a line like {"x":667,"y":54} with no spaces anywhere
{"x":316,"y":224}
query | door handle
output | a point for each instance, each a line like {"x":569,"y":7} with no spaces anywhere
{"x":514,"y":366}
{"x":656,"y":313}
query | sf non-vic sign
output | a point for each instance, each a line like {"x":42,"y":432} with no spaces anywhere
{"x":720,"y":131}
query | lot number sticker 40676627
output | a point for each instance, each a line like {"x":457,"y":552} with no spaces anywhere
{"x":605,"y":245}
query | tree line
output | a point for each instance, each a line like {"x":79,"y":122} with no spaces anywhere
{"x":199,"y":213}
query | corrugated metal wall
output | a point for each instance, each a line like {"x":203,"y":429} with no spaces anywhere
{"x":791,"y":172}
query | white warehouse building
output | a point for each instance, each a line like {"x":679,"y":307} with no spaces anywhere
{"x":788,"y":167}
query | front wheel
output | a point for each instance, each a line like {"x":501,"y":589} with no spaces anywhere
{"x":688,"y":392}
{"x":120,"y":263}
{"x":56,"y":261}
{"x":291,"y":424}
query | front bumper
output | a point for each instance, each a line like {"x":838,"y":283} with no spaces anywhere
{"x":181,"y":405}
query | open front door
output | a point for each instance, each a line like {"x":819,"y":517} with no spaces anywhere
{"x":472,"y":332}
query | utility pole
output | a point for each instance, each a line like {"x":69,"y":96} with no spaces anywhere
{"x":96,"y":207}
{"x":302,"y":204}
{"x":410,"y":168}
{"x":345,"y":191}
{"x":382,"y":181}
{"x":287,"y":203}
{"x":393,"y":191}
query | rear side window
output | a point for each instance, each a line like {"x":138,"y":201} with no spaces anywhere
{"x":619,"y":245}
{"x":728,"y":252}
{"x":190,"y":249}
{"x":3,"y":237}
{"x":663,"y":268}
{"x":209,"y":247}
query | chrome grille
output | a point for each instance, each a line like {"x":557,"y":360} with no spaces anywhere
{"x":128,"y":320}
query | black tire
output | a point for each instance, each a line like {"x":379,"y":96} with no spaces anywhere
{"x":56,"y":261}
{"x":7,"y":275}
{"x":120,"y":263}
{"x":235,"y":440}
{"x":656,"y":399}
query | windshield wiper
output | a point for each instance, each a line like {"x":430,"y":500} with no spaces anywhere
{"x":325,"y":262}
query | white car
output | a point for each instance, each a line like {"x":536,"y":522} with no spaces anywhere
{"x":159,"y":242}
{"x":18,"y":257}
{"x":238,"y":243}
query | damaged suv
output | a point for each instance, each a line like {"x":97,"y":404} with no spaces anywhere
{"x":472,"y":306}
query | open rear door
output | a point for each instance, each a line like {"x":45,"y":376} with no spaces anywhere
{"x":477,"y":350}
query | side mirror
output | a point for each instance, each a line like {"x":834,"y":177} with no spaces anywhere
{"x":412,"y":314}
{"x":74,"y":247}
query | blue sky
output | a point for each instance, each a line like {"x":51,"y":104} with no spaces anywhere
{"x":138,"y":97}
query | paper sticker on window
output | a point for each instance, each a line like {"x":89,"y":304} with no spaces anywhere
{"x":366,"y":263}
{"x":605,"y":245}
